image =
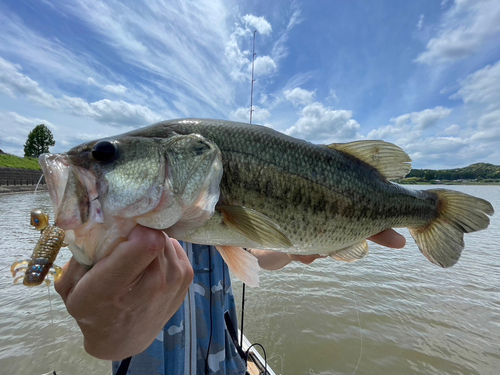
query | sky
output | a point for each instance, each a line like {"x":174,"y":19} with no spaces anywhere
{"x":424,"y":74}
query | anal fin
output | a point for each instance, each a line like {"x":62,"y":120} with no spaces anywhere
{"x":352,"y":253}
{"x":243,"y":264}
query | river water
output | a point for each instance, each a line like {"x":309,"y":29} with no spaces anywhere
{"x":390,"y":313}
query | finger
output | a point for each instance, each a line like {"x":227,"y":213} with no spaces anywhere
{"x":389,"y":238}
{"x":130,"y":258}
{"x":182,"y":265}
{"x":179,"y":250}
{"x":72,"y":272}
{"x":306,"y":259}
{"x":173,"y":250}
{"x":169,"y":270}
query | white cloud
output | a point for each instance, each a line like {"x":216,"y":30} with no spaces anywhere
{"x":444,"y":3}
{"x":114,"y":89}
{"x":240,"y":60}
{"x":13,"y":83}
{"x":236,"y":58}
{"x":332,"y":96}
{"x":323,"y":124}
{"x":408,"y":127}
{"x":177,"y":46}
{"x":280,"y":49}
{"x":422,"y":120}
{"x":259,"y":23}
{"x":480,"y":93}
{"x":408,"y":132}
{"x":122,"y":113}
{"x":489,"y":120}
{"x":488,"y":136}
{"x":264,"y":65}
{"x":259,"y":116}
{"x":464,"y":29}
{"x":481,"y":86}
{"x":299,"y":96}
{"x":117,"y":113}
{"x":420,"y":23}
{"x":451,"y":130}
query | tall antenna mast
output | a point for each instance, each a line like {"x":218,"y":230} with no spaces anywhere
{"x":253,"y":80}
{"x":251,"y":111}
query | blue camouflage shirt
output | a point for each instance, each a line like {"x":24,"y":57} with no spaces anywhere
{"x":196,"y":340}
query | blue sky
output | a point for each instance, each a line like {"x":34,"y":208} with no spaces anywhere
{"x":422,"y":74}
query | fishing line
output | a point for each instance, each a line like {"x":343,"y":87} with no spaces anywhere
{"x":50,"y":305}
{"x":281,"y":360}
{"x":359,"y":324}
{"x":51,"y":314}
{"x":36,"y":187}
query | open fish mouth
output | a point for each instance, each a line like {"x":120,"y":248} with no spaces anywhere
{"x":72,"y":191}
{"x":74,"y":198}
{"x":159,"y":184}
{"x":55,"y":168}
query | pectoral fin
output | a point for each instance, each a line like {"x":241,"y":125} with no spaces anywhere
{"x":255,"y":226}
{"x":243,"y":264}
{"x":351,"y":253}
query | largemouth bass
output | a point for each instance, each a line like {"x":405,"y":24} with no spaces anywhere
{"x":236,"y":185}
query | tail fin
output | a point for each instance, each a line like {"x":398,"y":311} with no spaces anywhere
{"x":442,"y":240}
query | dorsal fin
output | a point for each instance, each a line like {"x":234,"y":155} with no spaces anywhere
{"x":390,"y":160}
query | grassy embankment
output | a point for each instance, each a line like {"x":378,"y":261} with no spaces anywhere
{"x":12,"y":161}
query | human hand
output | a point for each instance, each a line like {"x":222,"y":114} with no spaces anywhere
{"x":388,"y":238}
{"x":123,"y":302}
{"x":305,"y":259}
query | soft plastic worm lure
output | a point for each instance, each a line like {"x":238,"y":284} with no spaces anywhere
{"x":41,"y":262}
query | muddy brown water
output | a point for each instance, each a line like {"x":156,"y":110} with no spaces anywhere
{"x":391,"y":313}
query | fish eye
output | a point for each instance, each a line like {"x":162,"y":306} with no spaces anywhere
{"x":104,"y":150}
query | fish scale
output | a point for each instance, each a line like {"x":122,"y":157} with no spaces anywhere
{"x":345,"y":200}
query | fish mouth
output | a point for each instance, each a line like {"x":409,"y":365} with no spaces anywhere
{"x":72,"y":191}
{"x":55,"y":168}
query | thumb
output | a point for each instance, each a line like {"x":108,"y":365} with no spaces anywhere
{"x":72,"y":272}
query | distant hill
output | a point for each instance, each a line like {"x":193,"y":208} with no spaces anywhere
{"x":478,"y":172}
{"x":12,"y":161}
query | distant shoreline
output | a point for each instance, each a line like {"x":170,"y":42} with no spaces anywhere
{"x":469,"y":183}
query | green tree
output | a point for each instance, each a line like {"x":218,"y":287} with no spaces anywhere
{"x":38,"y":142}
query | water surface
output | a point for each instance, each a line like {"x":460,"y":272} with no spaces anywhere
{"x":415,"y":317}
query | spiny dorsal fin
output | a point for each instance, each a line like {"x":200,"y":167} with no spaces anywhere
{"x":351,"y":253}
{"x":255,"y":226}
{"x":242,"y":264}
{"x":390,"y":160}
